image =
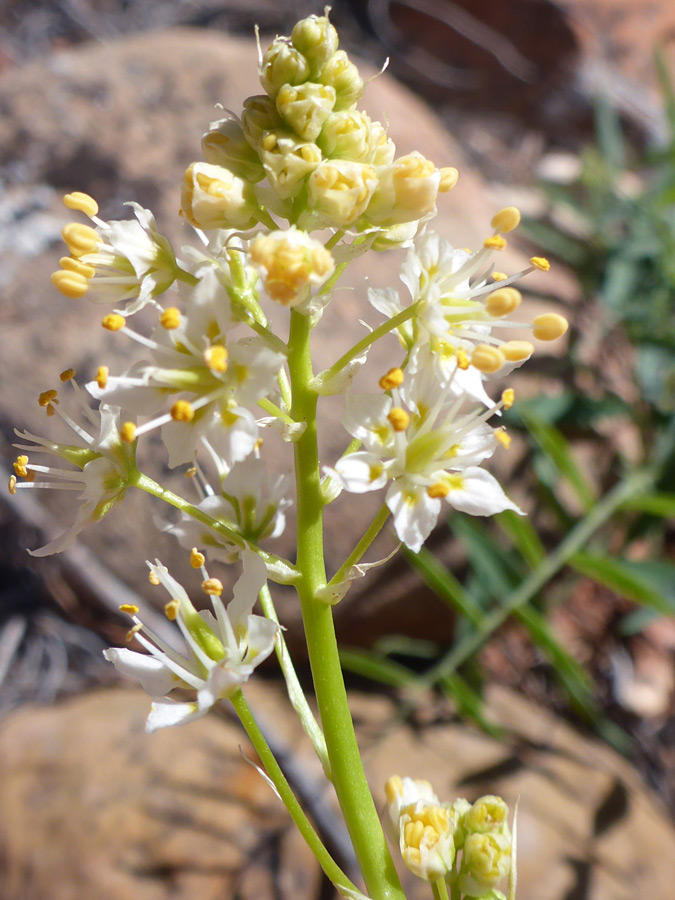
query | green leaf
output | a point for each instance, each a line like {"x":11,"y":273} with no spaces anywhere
{"x":522,"y":532}
{"x":444,"y":584}
{"x":470,"y":703}
{"x":378,"y":668}
{"x":557,"y":450}
{"x":641,"y":582}
{"x":655,"y":504}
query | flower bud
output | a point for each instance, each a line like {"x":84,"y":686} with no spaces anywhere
{"x":212,"y":197}
{"x":485,"y":862}
{"x":259,"y":115}
{"x":348,"y":135}
{"x":339,"y":191}
{"x":396,"y":237}
{"x":292,"y":262}
{"x":288,"y":161}
{"x":306,"y":107}
{"x":225,"y":144}
{"x":316,"y":39}
{"x":406,"y":191}
{"x":282,"y":64}
{"x":488,"y":814}
{"x":342,"y":75}
{"x":426,"y":840}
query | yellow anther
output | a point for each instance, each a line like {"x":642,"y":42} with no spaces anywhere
{"x":399,"y":419}
{"x":438,"y":490}
{"x":80,"y":239}
{"x":503,"y":301}
{"x":197,"y":559}
{"x":269,"y":141}
{"x":515,"y":351}
{"x":539,"y":262}
{"x":129,"y":608}
{"x":496,"y":242}
{"x":71,"y":284}
{"x":190,"y":473}
{"x":393,"y":788}
{"x":499,"y":276}
{"x":182,"y":411}
{"x":393,"y":379}
{"x":128,"y":433}
{"x":11,"y":484}
{"x":132,"y":632}
{"x":153,"y":578}
{"x":76,"y":265}
{"x":212,"y":586}
{"x":487,"y":359}
{"x":47,"y":397}
{"x":171,"y":610}
{"x":508,"y":398}
{"x":170,"y":318}
{"x":102,"y":376}
{"x":113,"y":322}
{"x":449,"y":176}
{"x":20,"y":466}
{"x":549,"y":327}
{"x":503,"y":438}
{"x":506,"y":219}
{"x":67,"y":374}
{"x":82,"y":203}
{"x":462,"y":359}
{"x":215,"y":358}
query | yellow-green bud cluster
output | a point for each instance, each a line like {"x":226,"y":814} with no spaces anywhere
{"x":316,"y":149}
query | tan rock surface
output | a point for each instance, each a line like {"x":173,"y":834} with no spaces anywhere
{"x":91,"y":806}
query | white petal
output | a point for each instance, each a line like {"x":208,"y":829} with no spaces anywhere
{"x":165,"y":713}
{"x":361,"y":472}
{"x":246,"y":590}
{"x":415,"y":513}
{"x":480,"y":494}
{"x":153,"y":676}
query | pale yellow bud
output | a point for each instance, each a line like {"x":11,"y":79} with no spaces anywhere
{"x":306,"y":107}
{"x":339,"y":191}
{"x":384,"y":148}
{"x":487,"y":359}
{"x":426,"y":840}
{"x":282,"y":64}
{"x":485,"y":862}
{"x":259,"y":115}
{"x":503,"y":301}
{"x":406,"y":191}
{"x":316,"y":39}
{"x":213,"y":197}
{"x":291,"y":263}
{"x":225,"y":144}
{"x":395,"y":236}
{"x":549,"y":327}
{"x":288,"y":161}
{"x":343,"y":76}
{"x":348,"y":135}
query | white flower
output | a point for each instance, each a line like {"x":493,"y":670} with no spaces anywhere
{"x":428,"y":447}
{"x":101,"y":465}
{"x":211,"y":379}
{"x":244,"y":503}
{"x":118,"y":262}
{"x":223,"y":647}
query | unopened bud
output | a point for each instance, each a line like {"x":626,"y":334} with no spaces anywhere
{"x":282,"y":64}
{"x":339,"y":191}
{"x":485,"y":862}
{"x":292,"y":263}
{"x":406,"y":191}
{"x":213,"y":197}
{"x":343,"y":76}
{"x":288,"y":161}
{"x":348,"y":135}
{"x":259,"y":115}
{"x":316,"y":39}
{"x":306,"y":107}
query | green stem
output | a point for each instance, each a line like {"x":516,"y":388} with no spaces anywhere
{"x":636,"y":483}
{"x":349,"y":778}
{"x":257,"y":738}
{"x":366,"y":342}
{"x":276,"y":563}
{"x":274,"y":410}
{"x":439,"y":889}
{"x":335,"y":239}
{"x":186,"y":277}
{"x":369,"y":536}
{"x":272,"y":339}
{"x":295,"y":691}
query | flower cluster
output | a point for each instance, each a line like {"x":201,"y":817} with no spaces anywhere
{"x":467,"y":845}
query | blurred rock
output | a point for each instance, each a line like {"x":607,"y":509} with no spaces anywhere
{"x":92,"y":806}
